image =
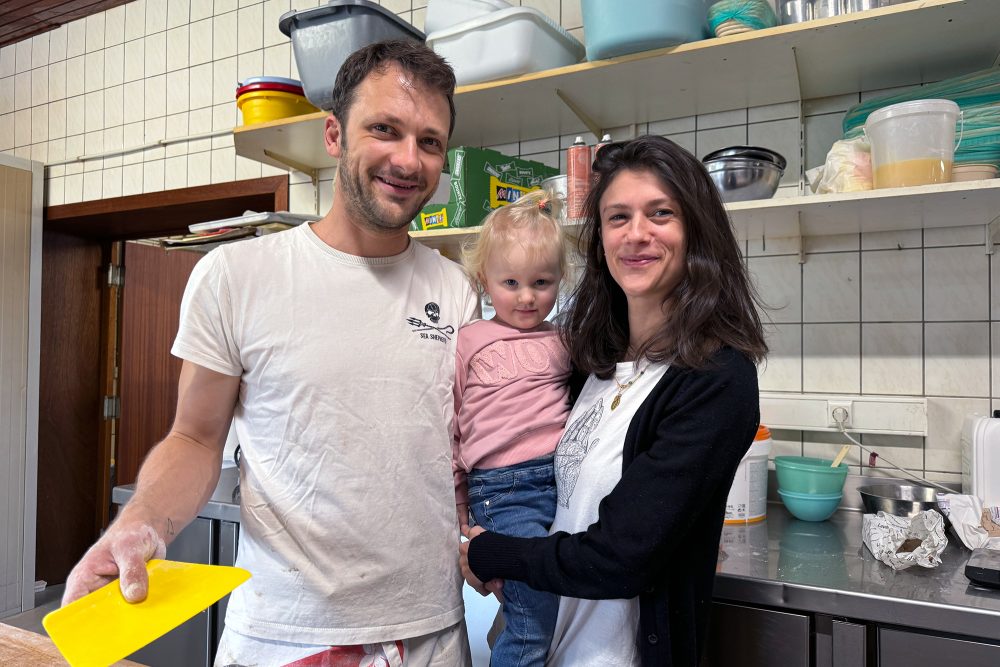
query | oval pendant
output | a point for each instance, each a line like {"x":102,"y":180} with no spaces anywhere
{"x":615,"y":401}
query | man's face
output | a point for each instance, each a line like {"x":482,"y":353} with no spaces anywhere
{"x":391,"y":150}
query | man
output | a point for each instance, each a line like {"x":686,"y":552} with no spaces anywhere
{"x":333,"y":344}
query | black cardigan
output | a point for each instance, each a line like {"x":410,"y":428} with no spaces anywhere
{"x":657,"y":532}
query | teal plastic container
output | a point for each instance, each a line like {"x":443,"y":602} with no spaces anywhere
{"x":614,"y":28}
{"x":804,"y":474}
{"x":811,"y":506}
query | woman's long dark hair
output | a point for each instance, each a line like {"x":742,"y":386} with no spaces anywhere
{"x":714,"y":305}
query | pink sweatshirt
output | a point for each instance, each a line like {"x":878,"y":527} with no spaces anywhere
{"x":511,"y":397}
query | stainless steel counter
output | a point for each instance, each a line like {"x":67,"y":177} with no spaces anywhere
{"x":800,"y":565}
{"x":224,"y":503}
{"x":824,"y":567}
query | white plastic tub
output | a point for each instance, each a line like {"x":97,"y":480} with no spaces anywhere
{"x":913,"y":143}
{"x":747,"y":502}
{"x":442,"y":14}
{"x":505,"y":43}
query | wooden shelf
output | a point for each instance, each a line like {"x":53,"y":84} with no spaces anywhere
{"x":448,"y":241}
{"x":925,"y":40}
{"x":891,"y":209}
{"x":295,"y":142}
{"x":899,"y":45}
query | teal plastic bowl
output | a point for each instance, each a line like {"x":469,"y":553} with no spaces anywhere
{"x":811,"y":506}
{"x":803,"y":474}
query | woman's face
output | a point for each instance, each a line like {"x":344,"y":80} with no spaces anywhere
{"x":642,"y":231}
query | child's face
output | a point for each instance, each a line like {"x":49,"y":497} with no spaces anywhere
{"x":523,"y":288}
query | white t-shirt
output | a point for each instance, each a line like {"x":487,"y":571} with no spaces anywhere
{"x":588,"y":462}
{"x":344,"y":420}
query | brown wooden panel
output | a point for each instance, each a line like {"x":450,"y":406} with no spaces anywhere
{"x":160,"y":213}
{"x":69,"y":412}
{"x":76,"y":10}
{"x":154,"y":285}
{"x":21,"y":19}
{"x":33,"y":8}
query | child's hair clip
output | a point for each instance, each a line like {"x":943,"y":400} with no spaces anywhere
{"x":545,"y":206}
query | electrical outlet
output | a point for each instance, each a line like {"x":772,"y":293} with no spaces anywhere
{"x":838,"y":413}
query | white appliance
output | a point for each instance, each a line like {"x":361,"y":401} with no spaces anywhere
{"x":981,"y":458}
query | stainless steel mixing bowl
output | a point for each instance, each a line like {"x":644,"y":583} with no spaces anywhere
{"x":899,"y":499}
{"x":743,"y":179}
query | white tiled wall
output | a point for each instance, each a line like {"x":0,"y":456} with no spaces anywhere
{"x":907,"y":313}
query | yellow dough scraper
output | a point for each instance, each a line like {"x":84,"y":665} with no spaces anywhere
{"x":102,"y":628}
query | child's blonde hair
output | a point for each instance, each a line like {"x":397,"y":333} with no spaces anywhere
{"x":531,"y":222}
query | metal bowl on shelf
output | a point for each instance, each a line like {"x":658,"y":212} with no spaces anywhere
{"x":743,"y":179}
{"x":742,"y":173}
{"x":899,"y":499}
{"x":753,"y":152}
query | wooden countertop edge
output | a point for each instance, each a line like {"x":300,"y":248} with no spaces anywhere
{"x":22,"y":648}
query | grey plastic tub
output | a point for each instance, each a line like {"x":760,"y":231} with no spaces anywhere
{"x":323,"y":37}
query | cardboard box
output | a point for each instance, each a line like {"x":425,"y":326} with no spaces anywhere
{"x":481,"y":180}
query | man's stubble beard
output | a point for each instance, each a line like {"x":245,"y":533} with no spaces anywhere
{"x":363,"y":204}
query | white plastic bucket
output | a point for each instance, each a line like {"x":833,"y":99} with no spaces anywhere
{"x":747,"y":501}
{"x":913,"y":143}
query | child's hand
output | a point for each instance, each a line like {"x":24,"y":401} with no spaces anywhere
{"x":493,"y":586}
{"x":463,"y":516}
{"x":472,"y":532}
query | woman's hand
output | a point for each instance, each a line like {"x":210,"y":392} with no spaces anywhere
{"x":494,"y":586}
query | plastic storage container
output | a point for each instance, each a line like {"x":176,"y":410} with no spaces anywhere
{"x":628,"y":26}
{"x":442,"y":14}
{"x":747,"y":501}
{"x":805,"y":474}
{"x":324,"y":36}
{"x":981,"y":458}
{"x":505,"y":43}
{"x":261,"y":106}
{"x":811,"y":506}
{"x":913,"y":143}
{"x":270,"y":83}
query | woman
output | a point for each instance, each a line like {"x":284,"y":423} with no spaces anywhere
{"x":665,"y":328}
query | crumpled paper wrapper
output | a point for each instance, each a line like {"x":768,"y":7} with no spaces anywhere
{"x":902,"y":542}
{"x":975,"y":525}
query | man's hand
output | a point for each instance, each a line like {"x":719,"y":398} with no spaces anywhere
{"x":121,"y":553}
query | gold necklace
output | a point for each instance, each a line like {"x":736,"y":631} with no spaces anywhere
{"x":622,"y":387}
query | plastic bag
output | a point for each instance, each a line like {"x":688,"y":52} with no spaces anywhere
{"x":848,"y":168}
{"x":902,"y":542}
{"x":969,"y":518}
{"x":754,"y":14}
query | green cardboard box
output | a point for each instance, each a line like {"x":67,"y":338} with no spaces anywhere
{"x":481,"y":180}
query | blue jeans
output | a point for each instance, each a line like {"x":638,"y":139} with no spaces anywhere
{"x":519,"y":500}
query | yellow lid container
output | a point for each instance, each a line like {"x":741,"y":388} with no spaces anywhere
{"x":261,"y":106}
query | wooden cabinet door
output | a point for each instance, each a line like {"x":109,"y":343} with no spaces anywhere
{"x":154,"y":284}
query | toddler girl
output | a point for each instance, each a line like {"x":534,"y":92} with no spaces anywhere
{"x":511,"y":403}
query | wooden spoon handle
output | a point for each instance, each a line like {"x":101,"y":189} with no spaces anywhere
{"x":840,"y":456}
